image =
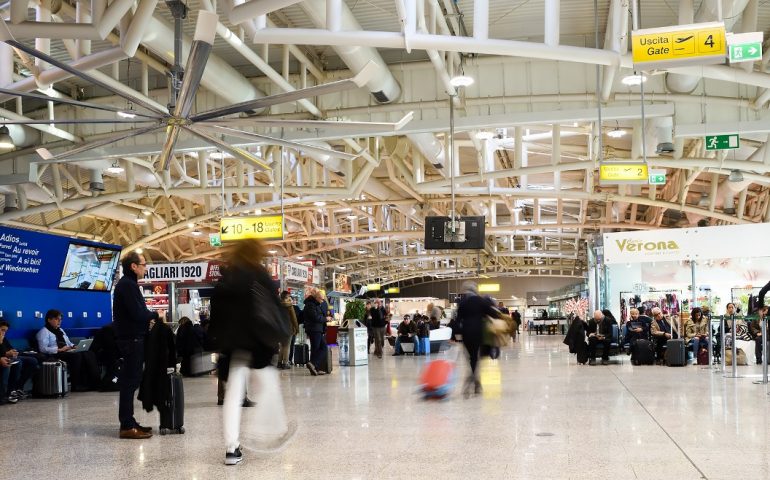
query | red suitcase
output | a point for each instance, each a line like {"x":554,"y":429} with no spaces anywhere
{"x":437,"y":379}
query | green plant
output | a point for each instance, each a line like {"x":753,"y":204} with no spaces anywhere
{"x":355,"y":309}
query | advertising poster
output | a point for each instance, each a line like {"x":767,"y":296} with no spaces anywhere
{"x":342,"y":283}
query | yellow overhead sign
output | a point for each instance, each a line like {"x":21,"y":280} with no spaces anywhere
{"x":701,"y":43}
{"x":616,"y":172}
{"x":269,"y":227}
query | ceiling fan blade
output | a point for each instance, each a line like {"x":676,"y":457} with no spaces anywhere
{"x":167,"y":152}
{"x":76,"y":122}
{"x":277,"y":141}
{"x":49,"y":158}
{"x":236,"y":152}
{"x":82,"y":75}
{"x":358,"y":81}
{"x":315,"y":124}
{"x":68,"y":101}
{"x":205,"y":30}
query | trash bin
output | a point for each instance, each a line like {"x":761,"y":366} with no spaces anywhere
{"x":352,"y":338}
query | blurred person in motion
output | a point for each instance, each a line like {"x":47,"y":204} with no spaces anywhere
{"x":471,"y":314}
{"x":248,"y":322}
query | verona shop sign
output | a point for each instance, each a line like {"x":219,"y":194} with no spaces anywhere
{"x":675,"y":244}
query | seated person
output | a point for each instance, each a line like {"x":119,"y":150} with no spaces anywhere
{"x":20,"y":367}
{"x":189,"y":341}
{"x":661,"y":332}
{"x":423,"y":335}
{"x":82,"y":366}
{"x":696,"y":331}
{"x":635,"y":329}
{"x":599,"y":331}
{"x":434,"y":323}
{"x":407,"y":333}
{"x":756,"y":331}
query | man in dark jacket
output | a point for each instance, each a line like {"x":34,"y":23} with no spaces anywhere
{"x":471,"y":312}
{"x":599,"y":331}
{"x":378,"y":324}
{"x":315,"y":327}
{"x":132,"y":322}
{"x":407,"y":333}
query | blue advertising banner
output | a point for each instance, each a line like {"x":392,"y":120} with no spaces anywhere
{"x":39,"y":271}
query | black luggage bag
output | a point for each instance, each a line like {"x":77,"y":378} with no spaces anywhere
{"x":172,"y":413}
{"x":675,"y":353}
{"x":327,"y":367}
{"x":301,"y":353}
{"x":642,"y":352}
{"x":51,"y":380}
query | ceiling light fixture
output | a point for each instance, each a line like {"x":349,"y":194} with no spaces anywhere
{"x":139,"y":251}
{"x":342,"y":267}
{"x":617,"y":133}
{"x":633,"y":80}
{"x":258,"y":211}
{"x":129,"y":112}
{"x":319,"y":204}
{"x":735,"y":176}
{"x":272,"y":252}
{"x":191,"y":225}
{"x":362,"y":250}
{"x":140,"y":219}
{"x":196,"y":233}
{"x":6,"y":142}
{"x":300,"y":257}
{"x":146,"y":212}
{"x":351,"y":217}
{"x":461,"y":81}
{"x":704,"y":200}
{"x":115,"y":168}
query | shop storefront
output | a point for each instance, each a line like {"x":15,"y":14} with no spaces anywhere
{"x":181,"y":289}
{"x":679,"y":269}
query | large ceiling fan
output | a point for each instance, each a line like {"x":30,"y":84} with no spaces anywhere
{"x":203,"y":125}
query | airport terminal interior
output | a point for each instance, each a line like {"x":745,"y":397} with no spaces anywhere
{"x":594,"y":173}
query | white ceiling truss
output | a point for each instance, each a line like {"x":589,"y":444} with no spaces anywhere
{"x":362,"y":167}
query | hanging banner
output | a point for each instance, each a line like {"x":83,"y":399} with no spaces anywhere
{"x":673,"y":244}
{"x":295,"y":272}
{"x":176,"y":272}
{"x":342,"y":283}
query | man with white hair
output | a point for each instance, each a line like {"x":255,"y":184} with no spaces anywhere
{"x":599,"y":331}
{"x":661,"y":332}
{"x":470,"y":314}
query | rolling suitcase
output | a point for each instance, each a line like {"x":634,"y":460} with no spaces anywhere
{"x":437,"y":379}
{"x":675,"y":353}
{"x":301,"y":354}
{"x":172,"y":413}
{"x":642,"y":352}
{"x":51,"y":379}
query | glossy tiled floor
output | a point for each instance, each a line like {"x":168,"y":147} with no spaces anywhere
{"x":541,"y":416}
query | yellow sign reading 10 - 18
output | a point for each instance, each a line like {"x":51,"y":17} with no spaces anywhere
{"x":614,"y":173}
{"x":701,"y":43}
{"x":268,"y":227}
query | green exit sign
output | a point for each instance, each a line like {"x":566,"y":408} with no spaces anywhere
{"x":215,"y":240}
{"x":657,"y":179}
{"x":746,"y":52}
{"x":723,"y":142}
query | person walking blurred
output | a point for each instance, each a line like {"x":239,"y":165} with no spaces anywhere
{"x":471,"y":314}
{"x":248,"y":322}
{"x":315,"y":326}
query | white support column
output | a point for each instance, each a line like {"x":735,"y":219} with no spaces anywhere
{"x":42,"y":14}
{"x":6,"y":65}
{"x":552,"y":14}
{"x":556,"y":155}
{"x":334,"y":15}
{"x":285,"y":63}
{"x":481,"y":19}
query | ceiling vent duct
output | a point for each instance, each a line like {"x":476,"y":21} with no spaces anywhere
{"x":665,"y":130}
{"x":97,"y":182}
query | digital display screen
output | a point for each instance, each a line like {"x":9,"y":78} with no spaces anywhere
{"x":88,"y":267}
